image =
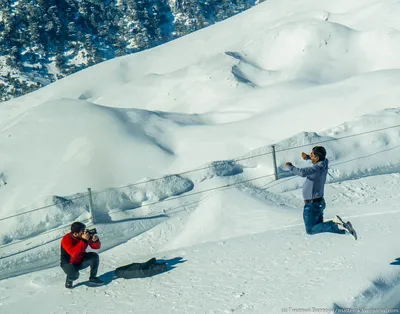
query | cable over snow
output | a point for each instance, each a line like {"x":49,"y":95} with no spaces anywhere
{"x":175,"y":143}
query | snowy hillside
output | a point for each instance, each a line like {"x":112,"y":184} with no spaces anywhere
{"x":44,"y":41}
{"x":175,"y":143}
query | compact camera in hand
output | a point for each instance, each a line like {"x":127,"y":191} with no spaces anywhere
{"x":91,"y":231}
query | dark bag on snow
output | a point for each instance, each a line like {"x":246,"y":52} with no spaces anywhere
{"x":141,"y":270}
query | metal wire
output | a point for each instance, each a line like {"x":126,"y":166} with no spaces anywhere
{"x":40,"y":208}
{"x":199,"y":169}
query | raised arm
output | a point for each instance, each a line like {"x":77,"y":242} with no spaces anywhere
{"x":305,"y":156}
{"x":303,"y":172}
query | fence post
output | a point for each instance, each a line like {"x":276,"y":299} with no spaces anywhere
{"x":274,"y":161}
{"x":91,"y":206}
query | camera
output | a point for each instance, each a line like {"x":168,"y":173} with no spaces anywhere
{"x":91,"y":231}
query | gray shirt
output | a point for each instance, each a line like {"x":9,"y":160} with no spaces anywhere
{"x":316,"y":178}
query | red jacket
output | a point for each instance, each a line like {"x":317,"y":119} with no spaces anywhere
{"x":73,"y":249}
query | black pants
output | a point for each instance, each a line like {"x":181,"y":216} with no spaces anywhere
{"x":89,"y":259}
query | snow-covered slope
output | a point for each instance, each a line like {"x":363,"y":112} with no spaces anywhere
{"x":290,"y":73}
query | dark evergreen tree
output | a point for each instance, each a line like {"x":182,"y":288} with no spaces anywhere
{"x":60,"y":58}
{"x":35,"y":33}
{"x":225,"y":10}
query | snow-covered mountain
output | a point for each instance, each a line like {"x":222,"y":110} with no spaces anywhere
{"x":289,"y":73}
{"x":43,"y":41}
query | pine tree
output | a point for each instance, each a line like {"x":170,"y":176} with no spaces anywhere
{"x":185,"y":20}
{"x":60,"y":58}
{"x":39,"y":32}
{"x":225,"y":10}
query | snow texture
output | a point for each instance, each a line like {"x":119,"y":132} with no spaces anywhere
{"x":289,"y":73}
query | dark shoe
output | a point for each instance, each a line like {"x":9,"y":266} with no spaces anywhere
{"x":351,"y":230}
{"x":347,"y":226}
{"x":96,"y":281}
{"x":68,"y":284}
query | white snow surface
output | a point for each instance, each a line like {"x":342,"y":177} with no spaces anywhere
{"x":289,"y":73}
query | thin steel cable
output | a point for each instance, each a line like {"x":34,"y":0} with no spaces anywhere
{"x":203,"y":168}
{"x":203,"y":191}
{"x":157,"y":202}
{"x":40,"y":208}
{"x":283,"y":180}
{"x":178,"y":174}
{"x":340,"y":138}
{"x":43,"y":233}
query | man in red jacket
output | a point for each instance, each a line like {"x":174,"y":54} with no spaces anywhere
{"x":74,"y":256}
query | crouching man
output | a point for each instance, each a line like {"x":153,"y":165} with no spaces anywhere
{"x":74,"y":256}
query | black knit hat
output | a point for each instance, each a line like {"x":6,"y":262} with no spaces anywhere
{"x":77,"y":227}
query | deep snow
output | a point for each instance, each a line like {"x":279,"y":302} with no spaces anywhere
{"x":290,"y":73}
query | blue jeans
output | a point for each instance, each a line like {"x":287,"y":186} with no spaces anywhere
{"x":314,"y":219}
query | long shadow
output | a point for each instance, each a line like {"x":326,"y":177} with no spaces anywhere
{"x":108,"y":277}
{"x":129,"y":219}
{"x":240,"y":76}
{"x":172,"y":262}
